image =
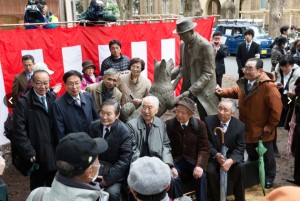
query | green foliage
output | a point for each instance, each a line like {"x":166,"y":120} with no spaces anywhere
{"x":112,"y":7}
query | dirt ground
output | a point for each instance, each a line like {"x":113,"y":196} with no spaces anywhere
{"x":18,"y":185}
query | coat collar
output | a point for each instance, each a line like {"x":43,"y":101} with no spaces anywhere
{"x":70,"y":99}
{"x":141,"y":123}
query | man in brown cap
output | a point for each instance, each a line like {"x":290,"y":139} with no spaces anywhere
{"x":190,"y":146}
{"x":197,"y":68}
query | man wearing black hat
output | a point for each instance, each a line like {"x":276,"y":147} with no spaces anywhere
{"x":197,"y":68}
{"x":232,"y":162}
{"x":78,"y":164}
{"x":190,"y":147}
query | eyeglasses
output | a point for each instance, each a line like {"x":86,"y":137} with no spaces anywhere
{"x":40,"y":84}
{"x":249,"y":69}
{"x":71,"y":84}
{"x":180,"y":112}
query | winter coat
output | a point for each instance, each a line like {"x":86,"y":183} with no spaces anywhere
{"x":260,"y":107}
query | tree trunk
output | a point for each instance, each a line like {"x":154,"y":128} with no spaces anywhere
{"x":192,"y":8}
{"x":275,"y":16}
{"x":125,"y":8}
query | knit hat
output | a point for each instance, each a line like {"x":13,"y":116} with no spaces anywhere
{"x":79,"y":150}
{"x":42,"y":66}
{"x":189,"y":103}
{"x":86,"y":64}
{"x":286,"y":193}
{"x":149,"y":176}
{"x":183,"y":25}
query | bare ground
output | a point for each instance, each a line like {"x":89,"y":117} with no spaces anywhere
{"x":18,"y":185}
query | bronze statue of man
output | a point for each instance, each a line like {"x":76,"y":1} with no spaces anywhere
{"x":197,"y":67}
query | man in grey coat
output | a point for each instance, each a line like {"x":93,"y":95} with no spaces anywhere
{"x":197,"y":68}
{"x":150,"y":136}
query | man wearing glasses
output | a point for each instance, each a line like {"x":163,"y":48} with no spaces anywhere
{"x":33,"y":139}
{"x":260,"y":109}
{"x":74,"y":110}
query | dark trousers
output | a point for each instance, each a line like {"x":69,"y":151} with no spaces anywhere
{"x":241,"y":74}
{"x":201,"y":110}
{"x":297,"y":158}
{"x":219,"y":79}
{"x":185,"y":169}
{"x":235,"y":175}
{"x":269,"y":158}
{"x":114,"y":191}
{"x":40,"y":178}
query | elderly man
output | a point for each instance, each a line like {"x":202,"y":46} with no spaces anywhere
{"x":116,"y":160}
{"x":21,"y":80}
{"x":150,"y":136}
{"x":197,"y":68}
{"x":234,"y":131}
{"x":116,"y":60}
{"x":77,"y":162}
{"x":73,"y":111}
{"x":149,"y":179}
{"x":260,"y":109}
{"x":190,"y":147}
{"x":33,"y":139}
{"x":106,"y":89}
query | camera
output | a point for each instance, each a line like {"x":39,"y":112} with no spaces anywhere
{"x":34,"y":12}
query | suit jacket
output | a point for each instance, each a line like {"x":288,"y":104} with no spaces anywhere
{"x":69,"y":117}
{"x":96,"y":92}
{"x":119,"y":151}
{"x":234,"y":138}
{"x":19,"y":86}
{"x":220,"y":55}
{"x":158,"y":141}
{"x":243,"y":55}
{"x":197,"y":64}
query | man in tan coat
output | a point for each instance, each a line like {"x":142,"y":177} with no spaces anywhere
{"x":106,"y":89}
{"x":197,"y":68}
{"x":260,"y":109}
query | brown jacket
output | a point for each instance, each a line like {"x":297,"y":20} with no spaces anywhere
{"x":188,"y":144}
{"x":259,"y":108}
{"x":96,"y":92}
{"x":19,"y":86}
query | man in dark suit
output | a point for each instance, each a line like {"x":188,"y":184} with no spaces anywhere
{"x":234,"y":131}
{"x":73,"y":111}
{"x":21,"y":80}
{"x":221,"y":51}
{"x":246,"y":50}
{"x":116,"y":160}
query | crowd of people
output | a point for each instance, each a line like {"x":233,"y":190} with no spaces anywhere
{"x":83,"y":149}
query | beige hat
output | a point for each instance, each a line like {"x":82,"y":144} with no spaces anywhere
{"x":188,"y":103}
{"x":42,"y":66}
{"x":184,"y":25}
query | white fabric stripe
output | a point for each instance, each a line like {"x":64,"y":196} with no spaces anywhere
{"x":139,"y":49}
{"x":3,"y":109}
{"x":168,"y":49}
{"x":103,"y":52}
{"x":37,"y":54}
{"x":72,"y":58}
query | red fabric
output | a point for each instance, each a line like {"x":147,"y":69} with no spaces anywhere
{"x":52,"y":41}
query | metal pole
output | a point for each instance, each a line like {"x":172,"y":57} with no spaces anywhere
{"x":74,"y":10}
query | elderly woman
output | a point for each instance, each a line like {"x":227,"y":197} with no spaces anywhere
{"x":88,"y":76}
{"x":132,"y":85}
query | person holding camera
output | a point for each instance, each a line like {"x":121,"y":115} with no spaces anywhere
{"x":221,"y":51}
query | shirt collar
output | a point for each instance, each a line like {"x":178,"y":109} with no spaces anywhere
{"x":39,"y":96}
{"x":227,"y":123}
{"x":251,"y":82}
{"x":186,"y":123}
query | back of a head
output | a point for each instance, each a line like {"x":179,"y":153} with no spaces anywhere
{"x":149,"y":178}
{"x":282,"y":40}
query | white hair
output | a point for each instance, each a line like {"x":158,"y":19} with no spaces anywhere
{"x":233,"y":104}
{"x":153,"y":99}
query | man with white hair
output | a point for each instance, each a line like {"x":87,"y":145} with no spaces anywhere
{"x":150,"y":135}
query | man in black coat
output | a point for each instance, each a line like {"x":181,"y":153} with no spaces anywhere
{"x":246,"y":50}
{"x":73,"y":111}
{"x":33,"y":138}
{"x":234,"y":134}
{"x":221,"y":51}
{"x":116,"y":159}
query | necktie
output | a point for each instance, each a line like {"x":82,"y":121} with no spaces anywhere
{"x":106,"y":132}
{"x":248,"y":46}
{"x":183,"y":126}
{"x":224,"y":127}
{"x":77,"y":102}
{"x":43,"y":100}
{"x":249,"y":86}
